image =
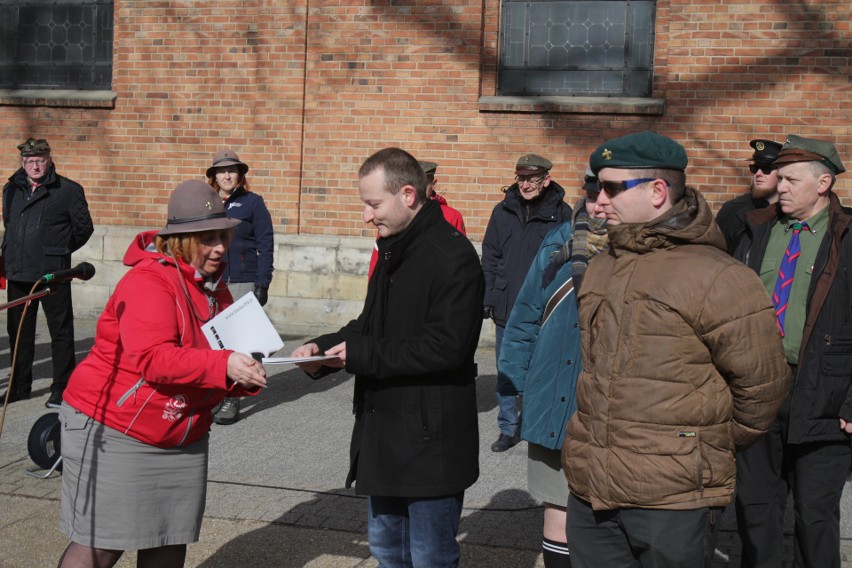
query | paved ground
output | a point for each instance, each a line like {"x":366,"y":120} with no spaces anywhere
{"x":275,"y":489}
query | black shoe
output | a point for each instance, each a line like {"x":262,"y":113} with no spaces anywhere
{"x":55,"y":400}
{"x":505,"y":442}
{"x":15,"y":396}
{"x":228,"y":412}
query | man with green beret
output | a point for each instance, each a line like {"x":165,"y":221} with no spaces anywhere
{"x":802,"y":250}
{"x":46,"y":218}
{"x":763,"y":191}
{"x":532,"y":206}
{"x":682,"y":366}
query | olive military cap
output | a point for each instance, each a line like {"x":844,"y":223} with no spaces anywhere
{"x":532,"y":164}
{"x":799,"y":149}
{"x":33,"y":147}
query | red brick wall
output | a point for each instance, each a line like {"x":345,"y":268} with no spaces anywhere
{"x":305,"y":90}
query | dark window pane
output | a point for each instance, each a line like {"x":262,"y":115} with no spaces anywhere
{"x":564,"y":47}
{"x":56,"y":44}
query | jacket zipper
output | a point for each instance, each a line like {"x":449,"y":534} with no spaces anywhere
{"x":131,"y":391}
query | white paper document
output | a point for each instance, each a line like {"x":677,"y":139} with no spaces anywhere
{"x":294,"y":360}
{"x":243,"y":327}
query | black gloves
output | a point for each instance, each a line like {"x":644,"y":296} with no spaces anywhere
{"x":488,"y":312}
{"x":261,"y":294}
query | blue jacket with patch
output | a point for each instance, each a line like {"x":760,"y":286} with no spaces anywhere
{"x":540,"y":353}
{"x":249,"y":256}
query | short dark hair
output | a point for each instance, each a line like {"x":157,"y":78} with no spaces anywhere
{"x":401,"y":169}
{"x":675,"y":179}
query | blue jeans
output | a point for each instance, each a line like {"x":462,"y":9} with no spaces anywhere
{"x":414,"y":533}
{"x":508,"y":415}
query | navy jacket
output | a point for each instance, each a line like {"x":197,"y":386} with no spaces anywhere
{"x":43,"y":230}
{"x":249,"y":256}
{"x":513,"y":236}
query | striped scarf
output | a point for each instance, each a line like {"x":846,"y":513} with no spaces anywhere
{"x":588,"y":239}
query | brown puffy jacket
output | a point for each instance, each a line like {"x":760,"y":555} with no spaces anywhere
{"x":682,"y":366}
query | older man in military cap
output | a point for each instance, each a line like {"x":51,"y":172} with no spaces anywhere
{"x":46,"y":218}
{"x":682,"y":366}
{"x":802,"y":250}
{"x":532,"y":206}
{"x":762,"y":192}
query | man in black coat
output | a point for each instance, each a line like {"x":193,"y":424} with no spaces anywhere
{"x":762,"y":192}
{"x":415,"y":443}
{"x":806,"y":451}
{"x":46,"y":218}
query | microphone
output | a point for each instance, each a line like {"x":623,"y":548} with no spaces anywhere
{"x":83,"y":271}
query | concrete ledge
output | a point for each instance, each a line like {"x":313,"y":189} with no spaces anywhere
{"x":318,"y":286}
{"x":574,"y":105}
{"x":57,"y":98}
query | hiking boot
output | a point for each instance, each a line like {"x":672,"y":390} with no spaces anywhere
{"x":55,"y":400}
{"x":228,"y":412}
{"x":505,"y":442}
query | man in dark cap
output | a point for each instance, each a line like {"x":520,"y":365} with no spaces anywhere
{"x":46,"y":218}
{"x":675,"y":377}
{"x":533,"y":205}
{"x":762,"y":191}
{"x":802,"y":250}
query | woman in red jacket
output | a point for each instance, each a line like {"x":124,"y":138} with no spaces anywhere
{"x":136,"y":412}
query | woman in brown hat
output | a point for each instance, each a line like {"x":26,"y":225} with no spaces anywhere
{"x":249,"y":258}
{"x":136,"y":412}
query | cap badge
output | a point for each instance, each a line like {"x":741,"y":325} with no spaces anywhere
{"x":760,"y":146}
{"x":607,"y":154}
{"x":209,"y":206}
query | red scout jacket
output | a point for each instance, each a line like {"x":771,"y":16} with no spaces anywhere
{"x":151,"y":373}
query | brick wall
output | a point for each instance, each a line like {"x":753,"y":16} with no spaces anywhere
{"x":305,"y":90}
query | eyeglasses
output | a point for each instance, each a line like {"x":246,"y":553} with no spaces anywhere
{"x":613,"y":188}
{"x":765,"y":168}
{"x":35,"y":161}
{"x":521,"y":180}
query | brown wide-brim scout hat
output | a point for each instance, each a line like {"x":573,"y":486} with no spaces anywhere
{"x":226,"y":157}
{"x":194,"y":206}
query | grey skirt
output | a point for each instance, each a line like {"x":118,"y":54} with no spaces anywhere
{"x":121,"y":494}
{"x":545,"y":478}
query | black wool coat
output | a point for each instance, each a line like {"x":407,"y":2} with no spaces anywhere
{"x":412,"y":352}
{"x":43,"y":231}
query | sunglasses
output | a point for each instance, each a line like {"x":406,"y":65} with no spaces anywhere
{"x":765,"y":168}
{"x":613,"y":188}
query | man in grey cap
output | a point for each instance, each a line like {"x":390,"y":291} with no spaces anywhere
{"x":46,"y":218}
{"x":533,"y":205}
{"x":762,"y":192}
{"x":802,"y":250}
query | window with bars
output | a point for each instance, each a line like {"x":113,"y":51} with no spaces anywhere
{"x":59,"y":44}
{"x":576,"y":48}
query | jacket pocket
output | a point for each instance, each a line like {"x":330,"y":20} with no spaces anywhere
{"x":835,"y":374}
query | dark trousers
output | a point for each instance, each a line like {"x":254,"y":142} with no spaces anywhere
{"x":60,"y":323}
{"x":647,"y":538}
{"x":815,"y":473}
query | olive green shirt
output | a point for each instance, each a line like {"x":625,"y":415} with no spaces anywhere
{"x":797,"y":308}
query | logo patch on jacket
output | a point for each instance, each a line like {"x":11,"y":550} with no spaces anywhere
{"x":174,"y":408}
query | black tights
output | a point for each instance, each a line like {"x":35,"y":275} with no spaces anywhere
{"x":81,"y":556}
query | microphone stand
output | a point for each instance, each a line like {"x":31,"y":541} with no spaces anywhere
{"x":22,"y":300}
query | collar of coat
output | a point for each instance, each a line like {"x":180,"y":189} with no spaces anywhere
{"x":689,"y":221}
{"x":392,"y":249}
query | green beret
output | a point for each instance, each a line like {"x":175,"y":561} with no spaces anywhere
{"x":33,"y":147}
{"x":798,"y":149}
{"x":641,"y":150}
{"x":428,"y":167}
{"x":532,"y":163}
